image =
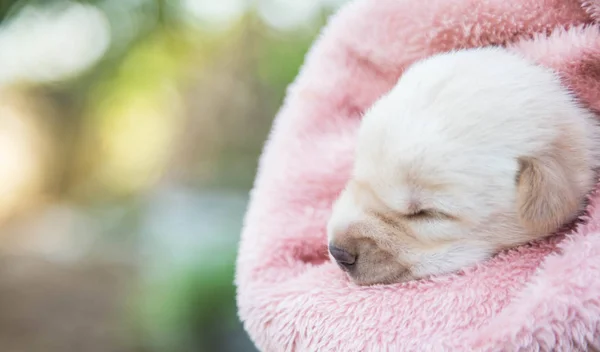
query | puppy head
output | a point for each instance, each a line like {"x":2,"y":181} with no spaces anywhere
{"x":470,"y":153}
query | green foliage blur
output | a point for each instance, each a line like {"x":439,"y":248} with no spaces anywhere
{"x":129,"y":137}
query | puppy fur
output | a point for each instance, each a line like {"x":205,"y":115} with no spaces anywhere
{"x":472,"y":152}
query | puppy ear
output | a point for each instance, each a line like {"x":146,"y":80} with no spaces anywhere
{"x":547,"y":197}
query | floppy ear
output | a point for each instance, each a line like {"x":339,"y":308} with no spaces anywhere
{"x":547,"y":197}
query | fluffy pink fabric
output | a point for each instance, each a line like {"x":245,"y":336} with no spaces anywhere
{"x":544,"y":296}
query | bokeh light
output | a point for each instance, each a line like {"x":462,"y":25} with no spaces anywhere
{"x":130,"y":132}
{"x":51,"y":43}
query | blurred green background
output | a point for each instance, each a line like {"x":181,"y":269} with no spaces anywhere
{"x":129,"y":138}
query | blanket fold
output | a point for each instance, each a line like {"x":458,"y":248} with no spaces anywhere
{"x":544,"y":296}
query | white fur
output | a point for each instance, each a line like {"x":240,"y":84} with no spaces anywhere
{"x":448,"y":137}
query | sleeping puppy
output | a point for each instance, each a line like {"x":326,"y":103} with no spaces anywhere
{"x":472,"y":152}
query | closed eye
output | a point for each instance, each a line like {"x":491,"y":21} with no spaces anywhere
{"x":428,"y":214}
{"x":420,"y":214}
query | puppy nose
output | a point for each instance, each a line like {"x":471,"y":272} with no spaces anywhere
{"x":344,"y":258}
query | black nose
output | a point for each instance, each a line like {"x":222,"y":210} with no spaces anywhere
{"x":344,"y":258}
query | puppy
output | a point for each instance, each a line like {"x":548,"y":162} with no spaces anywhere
{"x":470,"y":153}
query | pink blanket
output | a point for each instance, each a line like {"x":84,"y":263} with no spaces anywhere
{"x":544,"y":296}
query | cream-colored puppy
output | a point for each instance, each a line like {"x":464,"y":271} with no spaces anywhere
{"x":470,"y":153}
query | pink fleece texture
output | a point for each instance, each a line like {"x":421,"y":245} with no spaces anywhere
{"x":540,"y":297}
